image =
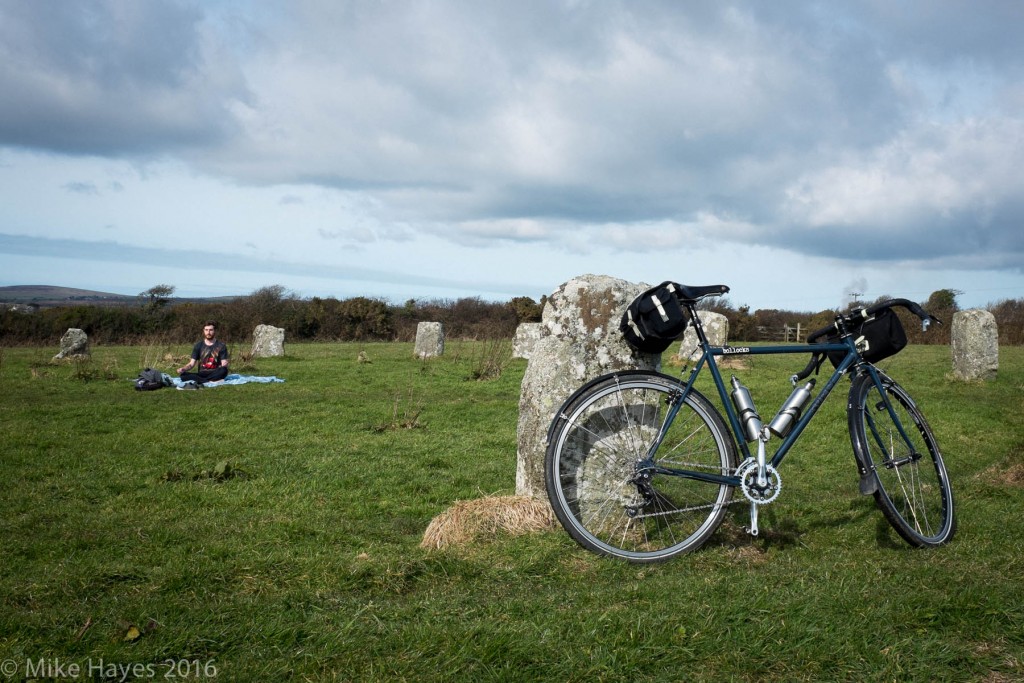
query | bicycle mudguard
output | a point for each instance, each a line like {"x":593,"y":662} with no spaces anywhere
{"x":586,"y":387}
{"x":572,"y":397}
{"x":868,"y":481}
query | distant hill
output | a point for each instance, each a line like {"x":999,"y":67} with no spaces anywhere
{"x":49,"y":296}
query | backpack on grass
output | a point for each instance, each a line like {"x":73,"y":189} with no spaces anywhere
{"x":150,"y":379}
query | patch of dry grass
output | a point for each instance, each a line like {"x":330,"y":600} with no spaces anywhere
{"x":468,"y":521}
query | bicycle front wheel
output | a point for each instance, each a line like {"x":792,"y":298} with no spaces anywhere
{"x":605,"y":490}
{"x":893,"y":440}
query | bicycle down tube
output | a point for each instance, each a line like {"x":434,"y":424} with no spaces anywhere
{"x":726,"y":403}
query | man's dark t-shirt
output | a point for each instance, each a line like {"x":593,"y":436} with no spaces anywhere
{"x":209,"y":357}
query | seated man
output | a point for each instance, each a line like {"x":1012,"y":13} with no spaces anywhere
{"x":210,"y":354}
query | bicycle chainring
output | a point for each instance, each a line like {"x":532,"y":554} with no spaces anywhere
{"x":748,"y":483}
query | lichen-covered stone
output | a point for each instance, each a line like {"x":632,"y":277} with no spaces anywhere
{"x":74,"y":343}
{"x":267,"y":341}
{"x":580,"y":340}
{"x":429,"y":340}
{"x":975,"y":345}
{"x":716,"y":327}
{"x":527,"y":335}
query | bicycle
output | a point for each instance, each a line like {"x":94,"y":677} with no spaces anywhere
{"x":642,"y":466}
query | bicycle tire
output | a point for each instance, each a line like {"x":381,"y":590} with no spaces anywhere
{"x":913,"y":488}
{"x":595,"y":442}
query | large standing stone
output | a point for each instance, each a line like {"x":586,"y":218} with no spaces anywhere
{"x":527,"y":335}
{"x":580,"y":341}
{"x":267,"y":341}
{"x":716,"y":327}
{"x":429,"y":340}
{"x":74,"y":343}
{"x":975,"y":345}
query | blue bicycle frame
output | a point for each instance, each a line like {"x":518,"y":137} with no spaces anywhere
{"x":709,"y":352}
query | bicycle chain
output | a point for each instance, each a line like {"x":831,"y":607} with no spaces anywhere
{"x":689,"y":509}
{"x":709,"y":506}
{"x":694,"y":465}
{"x":744,"y":471}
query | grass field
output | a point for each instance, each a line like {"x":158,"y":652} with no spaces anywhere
{"x":271,"y":532}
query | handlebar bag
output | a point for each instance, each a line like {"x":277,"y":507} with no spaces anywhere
{"x":879,"y":337}
{"x":654,"y":319}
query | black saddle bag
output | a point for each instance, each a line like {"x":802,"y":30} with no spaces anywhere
{"x":654,"y":319}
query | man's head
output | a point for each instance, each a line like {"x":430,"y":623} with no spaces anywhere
{"x":210,"y":329}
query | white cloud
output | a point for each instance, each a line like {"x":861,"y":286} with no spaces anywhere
{"x":921,"y":190}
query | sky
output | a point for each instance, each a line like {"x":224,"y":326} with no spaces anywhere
{"x":802,"y":153}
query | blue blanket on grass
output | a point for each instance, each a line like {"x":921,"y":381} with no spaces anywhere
{"x":231,"y":379}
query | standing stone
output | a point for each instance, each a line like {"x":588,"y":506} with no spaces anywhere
{"x":716,"y":327}
{"x":74,"y":343}
{"x":429,"y":340}
{"x":580,"y":340}
{"x":267,"y":341}
{"x":975,"y":345}
{"x":527,"y":335}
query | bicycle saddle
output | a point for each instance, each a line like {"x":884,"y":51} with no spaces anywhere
{"x":690,"y":294}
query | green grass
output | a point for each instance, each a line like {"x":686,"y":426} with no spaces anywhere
{"x":303,"y":561}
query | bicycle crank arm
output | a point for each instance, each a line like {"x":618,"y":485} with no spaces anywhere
{"x":762,"y":471}
{"x":753,"y":531}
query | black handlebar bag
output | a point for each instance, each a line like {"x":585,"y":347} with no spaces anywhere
{"x":654,"y":319}
{"x":879,"y":337}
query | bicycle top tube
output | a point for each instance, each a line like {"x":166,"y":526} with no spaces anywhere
{"x":836,"y":333}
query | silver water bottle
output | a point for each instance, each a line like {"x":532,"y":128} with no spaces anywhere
{"x":790,"y":411}
{"x":747,"y":412}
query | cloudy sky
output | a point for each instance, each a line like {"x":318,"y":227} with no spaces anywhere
{"x":796,"y":151}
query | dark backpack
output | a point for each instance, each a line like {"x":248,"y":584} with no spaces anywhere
{"x":654,"y":319}
{"x":150,"y":379}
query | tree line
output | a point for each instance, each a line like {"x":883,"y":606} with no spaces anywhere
{"x":158,"y":318}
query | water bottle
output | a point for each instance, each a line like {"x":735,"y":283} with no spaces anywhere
{"x":745,"y":407}
{"x":790,"y":411}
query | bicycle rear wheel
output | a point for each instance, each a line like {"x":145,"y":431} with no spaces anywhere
{"x":899,"y":449}
{"x":605,"y":501}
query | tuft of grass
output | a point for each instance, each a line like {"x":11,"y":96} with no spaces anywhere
{"x":119,"y":545}
{"x":491,"y":359}
{"x":469,"y":521}
{"x":85,"y":369}
{"x":405,"y":413}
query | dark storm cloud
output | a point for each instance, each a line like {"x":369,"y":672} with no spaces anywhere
{"x":109,"y":77}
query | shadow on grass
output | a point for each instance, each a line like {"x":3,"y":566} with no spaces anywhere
{"x":221,"y":472}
